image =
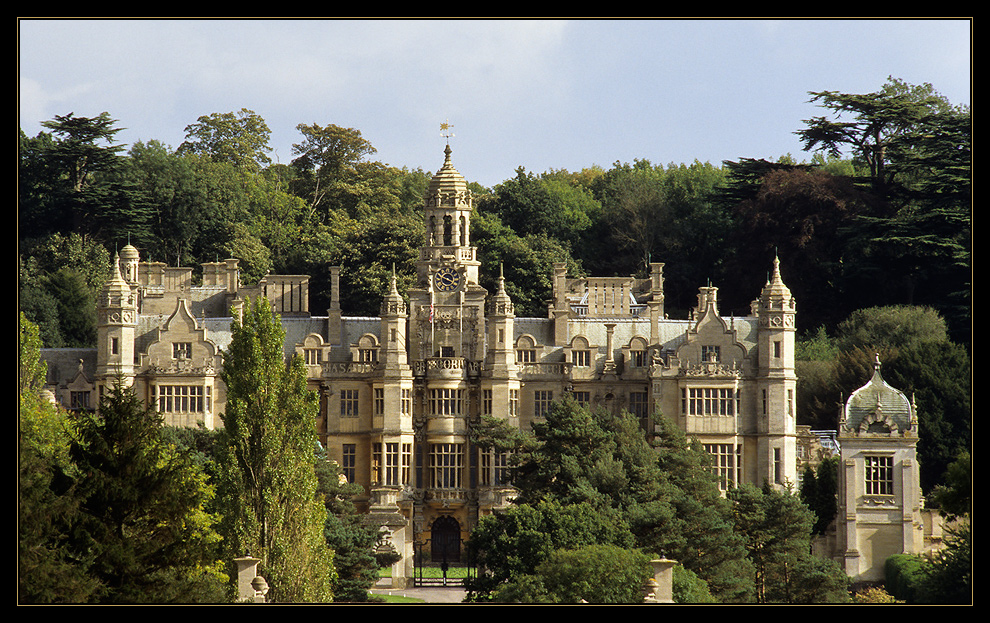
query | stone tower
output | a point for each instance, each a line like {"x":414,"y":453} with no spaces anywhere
{"x":117,"y":316}
{"x":879,"y":495}
{"x":446,"y":351}
{"x":776,"y":385}
{"x":447,"y":305}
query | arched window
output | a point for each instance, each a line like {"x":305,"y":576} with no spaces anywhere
{"x":448,"y":231}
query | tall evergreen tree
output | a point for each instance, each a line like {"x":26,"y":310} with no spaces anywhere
{"x":143,"y":508}
{"x":777,"y":528}
{"x":266,"y":458}
{"x":350,"y":534}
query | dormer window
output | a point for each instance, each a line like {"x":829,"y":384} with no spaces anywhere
{"x":526,"y":350}
{"x":637,"y":358}
{"x":369,"y":355}
{"x":314,"y":356}
{"x":526,"y":355}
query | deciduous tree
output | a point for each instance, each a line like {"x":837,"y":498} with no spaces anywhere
{"x":323,"y":158}
{"x":266,"y":458}
{"x":239,"y":138}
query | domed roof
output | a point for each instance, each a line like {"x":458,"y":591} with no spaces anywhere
{"x":448,"y":184}
{"x":878,"y":408}
{"x":129,"y":252}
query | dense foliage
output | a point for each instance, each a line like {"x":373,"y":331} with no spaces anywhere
{"x":267,"y":452}
{"x":109,"y":510}
{"x":889,"y":224}
{"x":592,"y":490}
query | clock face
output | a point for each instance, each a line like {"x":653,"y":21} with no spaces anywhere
{"x":446,"y":280}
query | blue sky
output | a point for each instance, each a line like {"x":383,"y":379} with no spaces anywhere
{"x":541,"y":94}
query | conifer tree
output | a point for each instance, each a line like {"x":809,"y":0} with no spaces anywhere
{"x":143,"y":508}
{"x":777,"y":527}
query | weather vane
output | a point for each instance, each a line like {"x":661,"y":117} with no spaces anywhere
{"x":445,"y":131}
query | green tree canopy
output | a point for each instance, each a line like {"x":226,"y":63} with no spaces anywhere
{"x":70,"y":180}
{"x":49,"y":571}
{"x":874,"y":121}
{"x":77,"y":150}
{"x":665,"y":494}
{"x":596,"y":574}
{"x":239,"y":138}
{"x":511,"y":544}
{"x":324,"y":157}
{"x":143,"y":508}
{"x":548,"y":205}
{"x":266,"y":460}
{"x":777,"y":528}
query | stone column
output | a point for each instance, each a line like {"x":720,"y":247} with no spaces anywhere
{"x":247,"y":571}
{"x":663,"y":581}
{"x":609,"y":368}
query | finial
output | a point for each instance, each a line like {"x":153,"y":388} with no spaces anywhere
{"x":394,"y":291}
{"x":445,"y":131}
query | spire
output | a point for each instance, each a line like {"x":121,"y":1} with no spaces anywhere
{"x":501,"y":304}
{"x":394,"y":289}
{"x":116,"y":277}
{"x":775,"y":291}
{"x":116,"y":291}
{"x":393,"y":305}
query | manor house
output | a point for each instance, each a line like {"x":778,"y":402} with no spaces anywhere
{"x":400,"y":393}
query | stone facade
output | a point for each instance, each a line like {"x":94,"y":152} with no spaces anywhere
{"x":399,"y":393}
{"x":880,"y":508}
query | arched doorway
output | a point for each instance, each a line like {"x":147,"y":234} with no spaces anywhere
{"x":445,"y":540}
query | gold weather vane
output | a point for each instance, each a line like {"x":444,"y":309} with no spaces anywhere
{"x":445,"y":131}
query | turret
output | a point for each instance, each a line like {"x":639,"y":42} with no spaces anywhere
{"x":447,"y":214}
{"x":130,"y":259}
{"x":116,"y":312}
{"x":394,"y":316}
{"x":777,"y":311}
{"x":501,"y":320}
{"x":776,"y":401}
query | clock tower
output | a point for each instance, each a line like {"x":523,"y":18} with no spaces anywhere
{"x":446,"y":353}
{"x":447,"y":304}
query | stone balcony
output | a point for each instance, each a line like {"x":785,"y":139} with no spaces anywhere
{"x":446,"y":368}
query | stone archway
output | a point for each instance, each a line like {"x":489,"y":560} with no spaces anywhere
{"x":445,"y":540}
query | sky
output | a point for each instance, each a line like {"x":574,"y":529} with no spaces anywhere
{"x":544,"y":95}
